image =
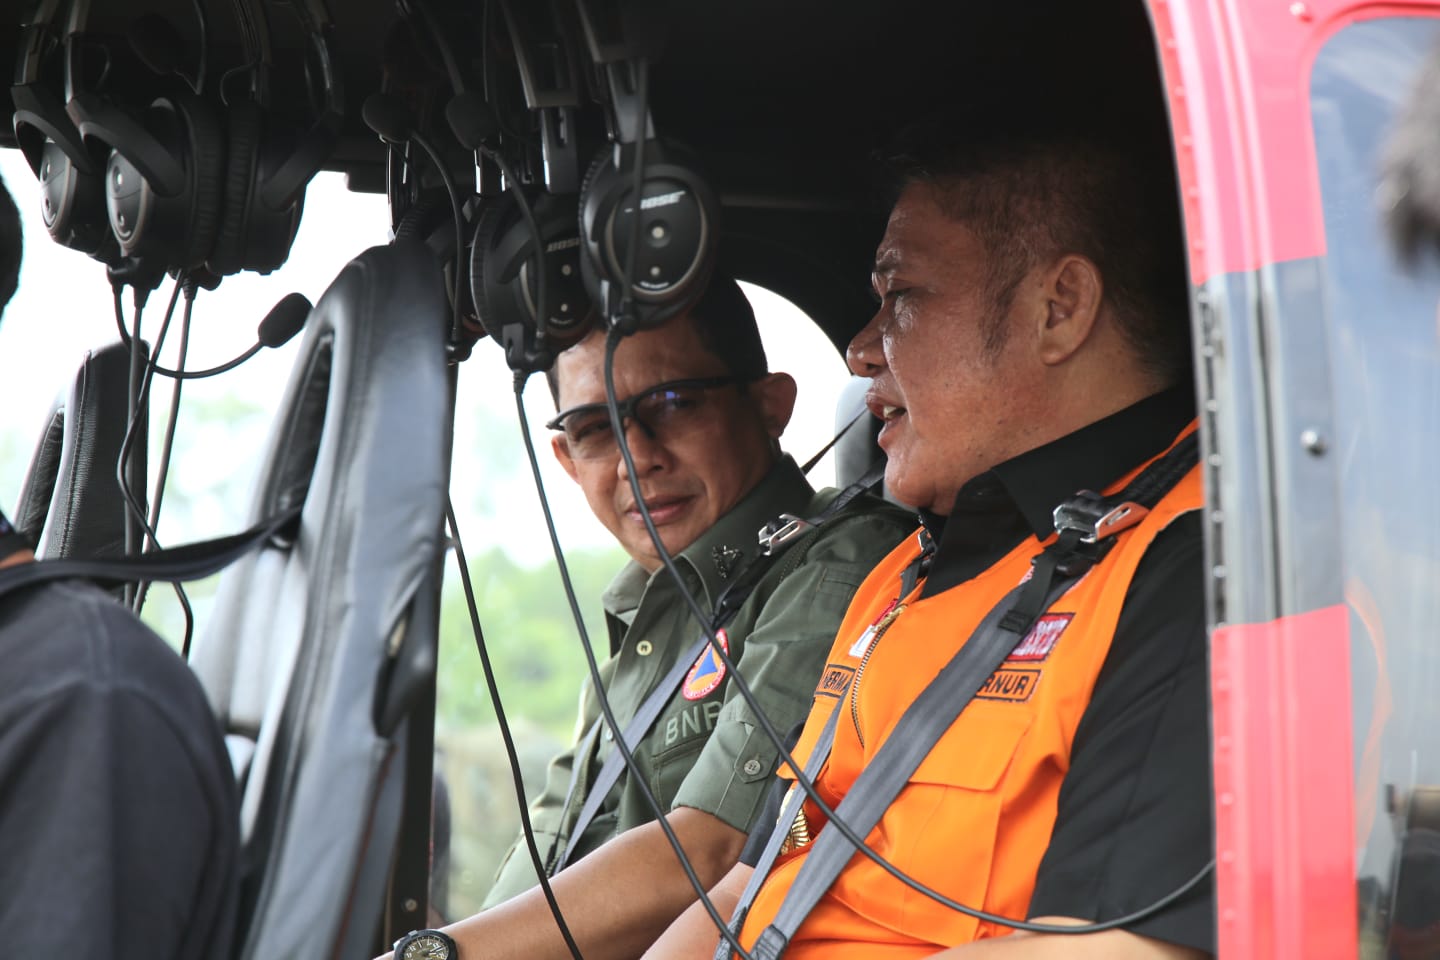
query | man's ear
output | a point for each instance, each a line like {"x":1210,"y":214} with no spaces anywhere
{"x":562,"y":453}
{"x":1074,"y":292}
{"x":775,"y":396}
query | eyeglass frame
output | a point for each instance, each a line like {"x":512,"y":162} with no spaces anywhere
{"x":627,"y":406}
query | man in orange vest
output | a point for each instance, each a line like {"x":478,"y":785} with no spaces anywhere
{"x":1031,"y":342}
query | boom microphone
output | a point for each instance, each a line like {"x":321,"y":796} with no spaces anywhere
{"x":284,"y":320}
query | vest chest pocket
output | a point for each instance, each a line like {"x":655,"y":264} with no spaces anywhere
{"x":941,"y":828}
{"x":976,"y":751}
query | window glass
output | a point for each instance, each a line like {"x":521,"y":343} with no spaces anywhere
{"x":1385,"y":345}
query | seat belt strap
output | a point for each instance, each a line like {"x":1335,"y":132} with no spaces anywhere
{"x":920,"y":728}
{"x":634,"y":732}
{"x":771,"y":853}
{"x":772,"y":544}
{"x":192,"y":561}
{"x":1087,"y":524}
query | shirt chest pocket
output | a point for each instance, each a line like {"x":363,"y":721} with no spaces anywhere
{"x":941,"y":828}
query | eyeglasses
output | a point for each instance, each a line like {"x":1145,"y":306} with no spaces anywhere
{"x":665,"y":411}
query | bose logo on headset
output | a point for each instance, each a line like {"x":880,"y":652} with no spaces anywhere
{"x":559,"y":245}
{"x":663,"y":200}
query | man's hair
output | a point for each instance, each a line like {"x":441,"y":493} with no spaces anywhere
{"x":1030,"y":198}
{"x":726,"y":323}
{"x":12,"y":246}
{"x":1412,"y":168}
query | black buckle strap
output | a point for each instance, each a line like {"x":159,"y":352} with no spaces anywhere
{"x":192,"y":561}
{"x":1087,"y":524}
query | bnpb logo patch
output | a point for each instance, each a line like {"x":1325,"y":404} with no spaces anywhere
{"x":1042,"y":637}
{"x":708,"y":671}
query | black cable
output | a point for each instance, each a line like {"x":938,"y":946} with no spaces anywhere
{"x":642,"y":97}
{"x":163,"y":473}
{"x":602,"y":698}
{"x":133,"y":542}
{"x":526,"y":827}
{"x":198,"y":85}
{"x":456,"y":329}
{"x":612,"y":341}
{"x":139,"y":406}
{"x":177,"y":374}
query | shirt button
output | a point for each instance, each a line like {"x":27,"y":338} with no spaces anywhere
{"x":752,"y":767}
{"x":644,"y":648}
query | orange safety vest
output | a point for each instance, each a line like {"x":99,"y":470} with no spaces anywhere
{"x":975,"y":818}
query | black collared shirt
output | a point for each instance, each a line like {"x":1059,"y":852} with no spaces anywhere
{"x":1134,"y":818}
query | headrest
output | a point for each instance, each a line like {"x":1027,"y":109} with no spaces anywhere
{"x":70,"y":502}
{"x":857,"y":450}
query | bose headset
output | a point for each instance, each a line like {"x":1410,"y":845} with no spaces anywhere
{"x":648,"y":261}
{"x":183,"y":185}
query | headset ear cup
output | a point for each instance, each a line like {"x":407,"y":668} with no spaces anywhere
{"x":207,"y":144}
{"x":566,"y":298}
{"x":241,"y":162}
{"x":678,"y":229}
{"x":595,"y":197}
{"x":73,"y":205}
{"x":175,"y":230}
{"x":490,"y":303}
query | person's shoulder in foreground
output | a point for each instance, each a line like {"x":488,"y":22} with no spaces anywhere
{"x":118,"y":814}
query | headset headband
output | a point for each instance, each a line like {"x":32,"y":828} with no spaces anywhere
{"x":315,"y":144}
{"x":36,"y":105}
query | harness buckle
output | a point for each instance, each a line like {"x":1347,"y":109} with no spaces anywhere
{"x":1096,"y":518}
{"x":779,"y":532}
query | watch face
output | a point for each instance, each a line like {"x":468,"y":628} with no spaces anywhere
{"x":427,"y":947}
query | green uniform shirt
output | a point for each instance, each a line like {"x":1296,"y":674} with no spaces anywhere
{"x":709,"y":752}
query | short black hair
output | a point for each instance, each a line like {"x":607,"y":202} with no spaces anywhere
{"x":1411,"y":183}
{"x":1031,"y":196}
{"x":726,"y":323}
{"x":12,"y":246}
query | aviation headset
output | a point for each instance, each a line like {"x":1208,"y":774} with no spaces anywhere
{"x":267,"y":169}
{"x":71,"y":175}
{"x":525,"y":270}
{"x":505,"y":276}
{"x":181,"y":187}
{"x":678,"y":213}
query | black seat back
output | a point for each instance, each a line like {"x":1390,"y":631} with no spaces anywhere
{"x":70,"y":503}
{"x":319,"y":657}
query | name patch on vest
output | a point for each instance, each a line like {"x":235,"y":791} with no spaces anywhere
{"x":1011,"y":684}
{"x":1042,"y":638}
{"x":834,"y":680}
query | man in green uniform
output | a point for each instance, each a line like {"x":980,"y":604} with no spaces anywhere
{"x":704,"y":418}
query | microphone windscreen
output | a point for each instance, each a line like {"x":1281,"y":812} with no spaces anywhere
{"x":387,"y":116}
{"x":471,"y":120}
{"x":284,"y":320}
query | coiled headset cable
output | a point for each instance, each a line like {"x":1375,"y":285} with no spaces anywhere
{"x":141,"y":379}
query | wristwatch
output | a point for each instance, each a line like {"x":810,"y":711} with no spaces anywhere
{"x":425,"y":945}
